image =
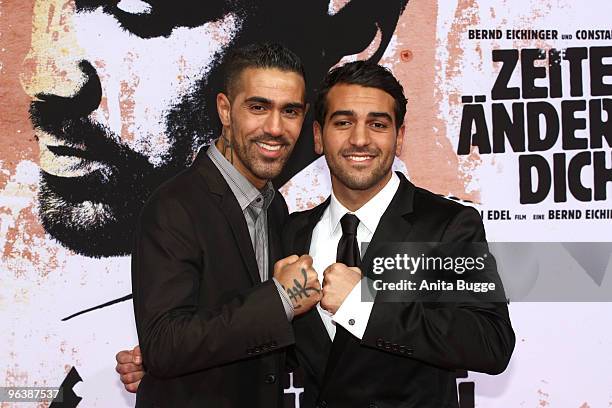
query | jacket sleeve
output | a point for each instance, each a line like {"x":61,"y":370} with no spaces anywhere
{"x":475,"y":336}
{"x":176,"y":335}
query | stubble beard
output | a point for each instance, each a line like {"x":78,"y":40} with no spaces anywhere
{"x":358,"y":180}
{"x":263,"y":168}
{"x":96,"y":215}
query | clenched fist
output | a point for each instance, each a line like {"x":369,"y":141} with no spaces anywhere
{"x":129,"y":366}
{"x":299,"y":279}
{"x":338,"y":281}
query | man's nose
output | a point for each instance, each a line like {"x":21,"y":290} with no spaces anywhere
{"x":274,"y":124}
{"x":52,"y":63}
{"x":359,"y":135}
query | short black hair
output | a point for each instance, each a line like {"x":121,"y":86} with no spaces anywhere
{"x":367,"y":74}
{"x":259,"y":55}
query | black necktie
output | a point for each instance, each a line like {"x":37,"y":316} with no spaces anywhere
{"x":348,"y":254}
{"x":348,"y":248}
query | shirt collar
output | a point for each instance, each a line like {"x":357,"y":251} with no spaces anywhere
{"x":245,"y":192}
{"x":370,"y":213}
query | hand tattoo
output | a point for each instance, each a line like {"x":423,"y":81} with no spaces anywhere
{"x":300,"y":290}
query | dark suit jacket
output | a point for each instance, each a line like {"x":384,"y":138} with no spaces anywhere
{"x":211,"y":334}
{"x":410,"y":352}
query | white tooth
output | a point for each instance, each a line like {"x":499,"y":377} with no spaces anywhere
{"x":269,"y":147}
{"x":358,"y":158}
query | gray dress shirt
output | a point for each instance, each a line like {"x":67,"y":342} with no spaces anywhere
{"x":254,"y":205}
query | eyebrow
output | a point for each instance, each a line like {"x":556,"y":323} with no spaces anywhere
{"x":294,"y":105}
{"x":259,"y":99}
{"x":370,"y":114}
{"x":381,"y":115}
{"x":266,"y":101}
{"x":342,"y":113}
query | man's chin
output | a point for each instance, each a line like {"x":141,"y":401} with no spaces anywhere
{"x":358,"y":180}
{"x":88,"y":227}
{"x":268,"y":169}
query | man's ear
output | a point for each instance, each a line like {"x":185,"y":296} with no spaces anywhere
{"x":318,"y":137}
{"x":224,"y":108}
{"x":400,"y":140}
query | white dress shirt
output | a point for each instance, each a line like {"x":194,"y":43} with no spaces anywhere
{"x":353,"y":314}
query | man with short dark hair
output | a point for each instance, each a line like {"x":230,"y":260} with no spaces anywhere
{"x":210,"y":290}
{"x":356,"y":353}
{"x":382,"y":354}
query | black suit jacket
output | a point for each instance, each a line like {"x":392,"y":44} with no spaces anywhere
{"x":410,"y":352}
{"x":211,"y":333}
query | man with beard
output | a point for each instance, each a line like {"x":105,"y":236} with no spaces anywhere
{"x":212,"y":321}
{"x":380,"y":354}
{"x":123,"y":97}
{"x":122,"y":101}
{"x":383,"y":354}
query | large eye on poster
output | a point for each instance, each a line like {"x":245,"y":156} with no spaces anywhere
{"x":508,"y":104}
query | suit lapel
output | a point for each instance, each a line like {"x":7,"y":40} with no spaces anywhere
{"x":394,"y":226}
{"x":305,"y":225}
{"x":302,"y":246}
{"x":235,"y":217}
{"x":311,"y":334}
{"x":231,"y":210}
{"x":274,"y":242}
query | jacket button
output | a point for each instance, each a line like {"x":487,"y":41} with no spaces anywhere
{"x":379,"y":342}
{"x":322,"y":404}
{"x":372,"y":405}
{"x":249,"y":351}
{"x":270,"y":379}
{"x":257,"y":350}
{"x":273,"y":344}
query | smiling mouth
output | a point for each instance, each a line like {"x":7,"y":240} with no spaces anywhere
{"x":358,"y":158}
{"x":272,"y":148}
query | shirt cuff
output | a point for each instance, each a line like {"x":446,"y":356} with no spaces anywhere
{"x":354,"y":314}
{"x":289,"y":310}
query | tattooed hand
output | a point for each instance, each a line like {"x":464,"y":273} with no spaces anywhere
{"x":300,"y":281}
